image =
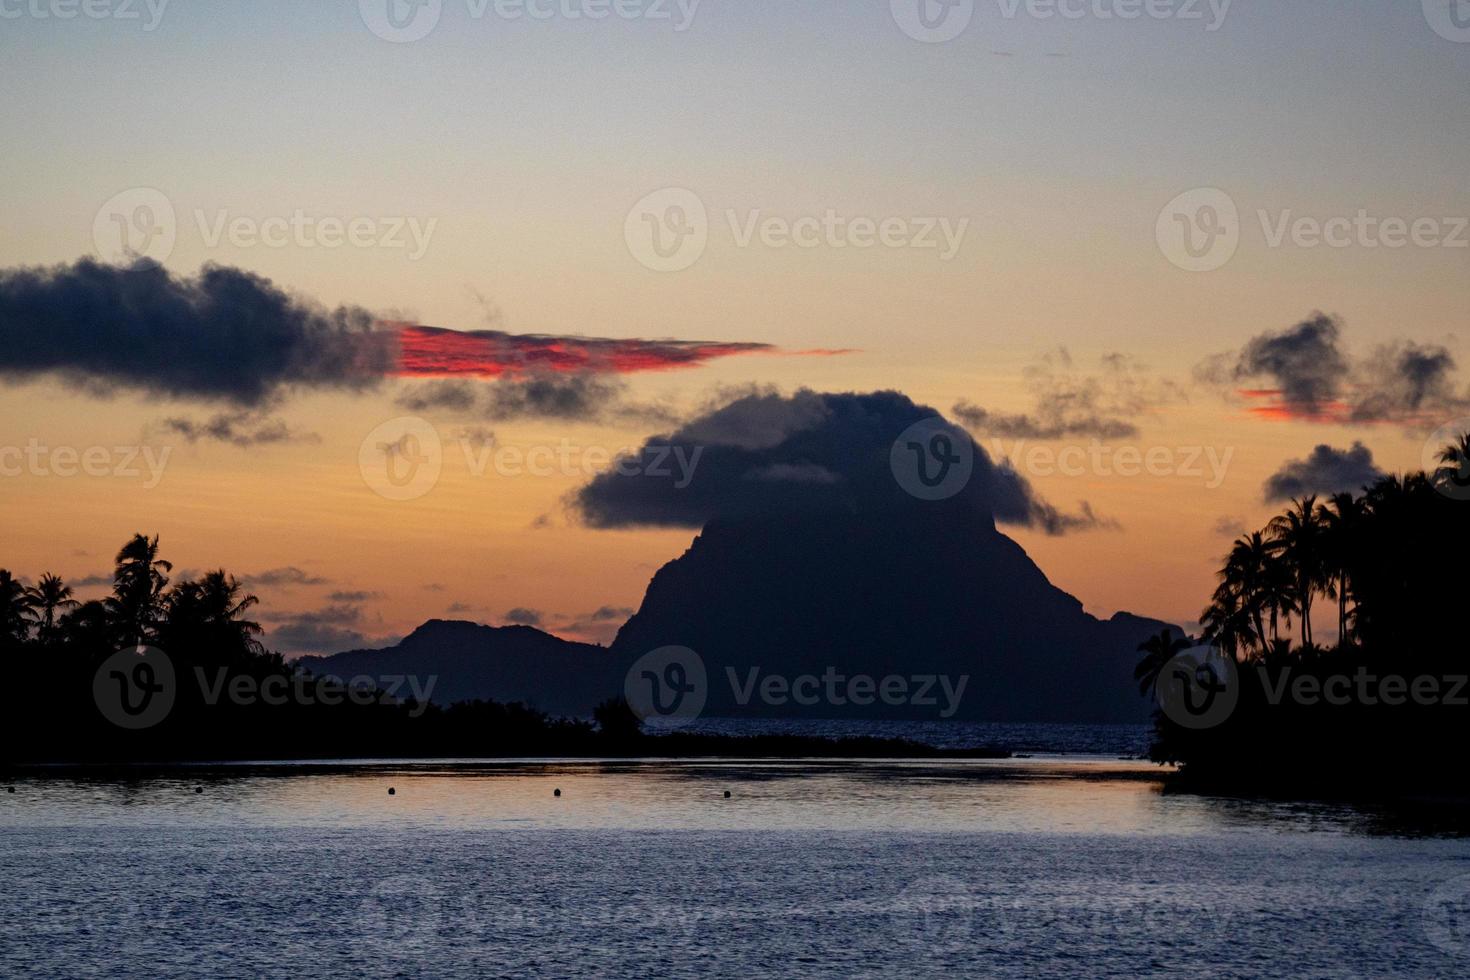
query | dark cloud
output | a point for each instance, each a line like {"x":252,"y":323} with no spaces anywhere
{"x":610,"y":613}
{"x":243,"y":429}
{"x":332,"y":629}
{"x":521,"y":616}
{"x":559,"y":397}
{"x":1229,"y":527}
{"x":1406,"y":380}
{"x":283,"y":577}
{"x":354,"y":597}
{"x":337,"y":614}
{"x":230,"y":336}
{"x":765,"y":453}
{"x":477,"y":437}
{"x":1070,"y":404}
{"x":1305,"y":363}
{"x":1326,"y":470}
{"x":224,"y":335}
{"x":1307,"y":374}
{"x":440,"y":396}
{"x":91,"y":581}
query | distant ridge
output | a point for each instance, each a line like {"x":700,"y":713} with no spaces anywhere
{"x":505,"y":663}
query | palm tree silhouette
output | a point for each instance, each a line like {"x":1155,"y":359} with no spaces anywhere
{"x":17,"y":611}
{"x":1455,"y":471}
{"x":1248,"y":574}
{"x":1298,"y":537}
{"x":215,"y":605}
{"x":1343,"y":517}
{"x":47,"y":598}
{"x":1158,"y":651}
{"x":138,"y":583}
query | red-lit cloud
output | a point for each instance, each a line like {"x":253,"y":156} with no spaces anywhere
{"x":432,"y":352}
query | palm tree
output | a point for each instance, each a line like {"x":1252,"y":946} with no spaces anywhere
{"x":1455,"y":473}
{"x":1297,"y":536}
{"x":1342,"y":519}
{"x":17,"y":611}
{"x":49,"y":597}
{"x":1247,"y":572}
{"x":138,"y":582}
{"x":215,"y":604}
{"x":1158,"y":651}
{"x":1228,"y":623}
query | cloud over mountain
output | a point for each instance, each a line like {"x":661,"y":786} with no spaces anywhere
{"x":808,"y":452}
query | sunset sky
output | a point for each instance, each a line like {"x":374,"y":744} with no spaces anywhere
{"x":497,"y":170}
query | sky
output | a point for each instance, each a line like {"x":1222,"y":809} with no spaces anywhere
{"x":993,"y":224}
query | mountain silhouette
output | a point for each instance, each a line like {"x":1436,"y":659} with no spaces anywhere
{"x":903,"y":591}
{"x":471,"y":662}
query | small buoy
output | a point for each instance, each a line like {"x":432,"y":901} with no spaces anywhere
{"x":10,"y":789}
{"x":198,"y":789}
{"x":392,"y":791}
{"x":727,"y":794}
{"x":557,"y":793}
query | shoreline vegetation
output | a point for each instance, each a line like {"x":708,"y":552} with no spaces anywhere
{"x":1384,"y":710}
{"x":228,"y":698}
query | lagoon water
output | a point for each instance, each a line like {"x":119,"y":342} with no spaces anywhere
{"x":1039,"y":867}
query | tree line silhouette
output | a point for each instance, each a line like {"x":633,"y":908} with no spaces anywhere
{"x":55,"y":648}
{"x":1391,"y":561}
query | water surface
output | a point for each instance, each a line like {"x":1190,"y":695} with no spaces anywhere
{"x":1056,"y":867}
